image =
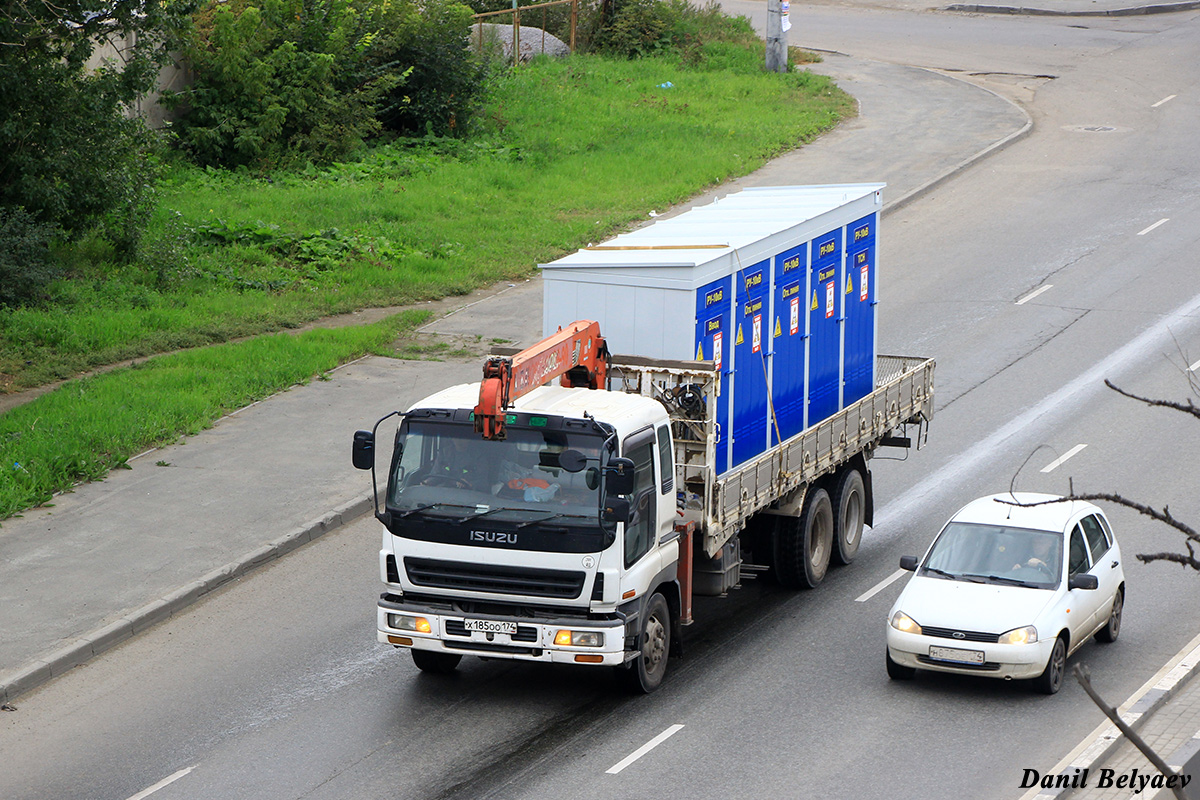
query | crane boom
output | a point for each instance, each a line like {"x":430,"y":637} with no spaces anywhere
{"x":577,"y":353}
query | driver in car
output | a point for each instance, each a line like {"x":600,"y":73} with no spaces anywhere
{"x":455,"y":465}
{"x":1041,"y":556}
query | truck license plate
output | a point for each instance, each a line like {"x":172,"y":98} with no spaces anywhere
{"x":954,"y":654}
{"x":491,"y":626}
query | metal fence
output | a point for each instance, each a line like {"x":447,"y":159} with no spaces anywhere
{"x":516,"y":24}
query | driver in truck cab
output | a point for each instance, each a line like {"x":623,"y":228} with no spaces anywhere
{"x":457,"y":464}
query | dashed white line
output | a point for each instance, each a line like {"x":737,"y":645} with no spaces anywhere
{"x":1058,"y":462}
{"x":879,"y":587}
{"x":1164,"y":100}
{"x":1152,"y":227}
{"x":164,"y":782}
{"x":1194,"y":367}
{"x":641,"y":751}
{"x":1034,"y":294}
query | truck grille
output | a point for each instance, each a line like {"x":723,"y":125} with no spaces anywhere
{"x":523,"y":581}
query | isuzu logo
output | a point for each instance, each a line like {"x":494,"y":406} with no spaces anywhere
{"x":493,"y":537}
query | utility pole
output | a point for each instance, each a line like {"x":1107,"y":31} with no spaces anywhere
{"x":777,"y":28}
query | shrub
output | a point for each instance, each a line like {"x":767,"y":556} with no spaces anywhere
{"x":26,"y":266}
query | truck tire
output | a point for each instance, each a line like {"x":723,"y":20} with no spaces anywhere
{"x":645,"y":673}
{"x":434,"y":662}
{"x":850,"y":503}
{"x":803,"y":543}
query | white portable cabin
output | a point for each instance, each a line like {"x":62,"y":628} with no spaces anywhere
{"x":777,"y":285}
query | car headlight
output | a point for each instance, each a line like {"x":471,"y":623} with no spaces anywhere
{"x":404,"y":623}
{"x":903,"y":622}
{"x":1026,"y":635}
{"x":579,"y":638}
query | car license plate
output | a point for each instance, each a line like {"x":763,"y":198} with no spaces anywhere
{"x":954,"y":654}
{"x":490,"y":626}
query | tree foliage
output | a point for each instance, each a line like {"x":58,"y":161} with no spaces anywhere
{"x":70,"y":157}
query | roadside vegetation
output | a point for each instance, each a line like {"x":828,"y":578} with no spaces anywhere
{"x":273,"y":222}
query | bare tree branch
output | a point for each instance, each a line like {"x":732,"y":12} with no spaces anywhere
{"x":1187,"y":407}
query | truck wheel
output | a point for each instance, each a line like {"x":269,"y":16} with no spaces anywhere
{"x":646,"y":672}
{"x":851,"y":504}
{"x":434,"y":662}
{"x":803,"y":544}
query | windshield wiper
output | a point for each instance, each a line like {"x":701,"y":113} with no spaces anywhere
{"x":942,"y":572}
{"x":419,"y":509}
{"x":552,"y":516}
{"x":487,"y":513}
{"x":1002,"y":579}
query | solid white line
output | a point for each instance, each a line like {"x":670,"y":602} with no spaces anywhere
{"x":879,"y":587}
{"x":164,"y":782}
{"x":641,"y":751}
{"x":1034,"y":294}
{"x":1165,"y":99}
{"x":1152,"y":227}
{"x":1058,"y":462}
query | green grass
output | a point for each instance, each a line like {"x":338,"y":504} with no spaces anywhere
{"x":93,"y":425}
{"x":571,"y":152}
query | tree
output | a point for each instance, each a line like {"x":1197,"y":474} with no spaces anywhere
{"x":70,"y":156}
{"x":1191,"y":535}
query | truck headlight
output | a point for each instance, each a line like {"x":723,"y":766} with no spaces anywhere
{"x":903,"y":622}
{"x":1026,"y":635}
{"x":406,"y":623}
{"x":579,"y":639}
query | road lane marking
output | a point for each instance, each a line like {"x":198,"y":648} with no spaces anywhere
{"x":1034,"y":294}
{"x":879,"y":587}
{"x":641,"y":751}
{"x":1152,"y":227}
{"x":948,"y":478}
{"x":1194,"y":367}
{"x":1164,"y":100}
{"x":1058,"y":462}
{"x":164,"y":782}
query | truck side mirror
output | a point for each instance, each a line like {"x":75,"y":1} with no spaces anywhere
{"x":363,"y":454}
{"x":616,"y":509}
{"x":619,"y":474}
{"x":572,"y":460}
{"x":1085,"y":581}
{"x":909,"y":563}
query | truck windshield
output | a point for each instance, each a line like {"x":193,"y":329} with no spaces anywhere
{"x":449,"y":484}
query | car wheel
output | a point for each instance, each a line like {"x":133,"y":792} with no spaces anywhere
{"x":434,"y":662}
{"x":850,"y":503}
{"x":646,"y":672}
{"x":899,"y":672}
{"x":1112,"y":630}
{"x":1050,"y":681}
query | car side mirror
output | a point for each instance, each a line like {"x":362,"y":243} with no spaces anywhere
{"x":617,"y":509}
{"x":1085,"y":581}
{"x":363,"y":454}
{"x":909,"y":563}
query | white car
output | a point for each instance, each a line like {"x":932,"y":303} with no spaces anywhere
{"x":1011,"y":586}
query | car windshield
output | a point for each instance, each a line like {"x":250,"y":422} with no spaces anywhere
{"x":996,"y":554}
{"x":446,"y":473}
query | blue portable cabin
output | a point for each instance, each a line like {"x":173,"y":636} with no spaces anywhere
{"x":732,"y":282}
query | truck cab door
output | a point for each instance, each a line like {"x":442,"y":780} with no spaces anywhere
{"x":639,"y":546}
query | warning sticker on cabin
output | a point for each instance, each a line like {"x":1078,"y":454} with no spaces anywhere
{"x":829,"y":301}
{"x":778,"y":328}
{"x":717,"y":348}
{"x":738,"y":340}
{"x":756,"y":334}
{"x":862,"y":283}
{"x":794,"y":322}
{"x":849,"y":283}
{"x":814,"y":302}
{"x":700,"y":351}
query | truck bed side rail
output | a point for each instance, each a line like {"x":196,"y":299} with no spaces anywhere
{"x":903,"y":395}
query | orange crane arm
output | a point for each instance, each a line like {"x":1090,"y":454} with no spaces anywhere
{"x":577,"y":353}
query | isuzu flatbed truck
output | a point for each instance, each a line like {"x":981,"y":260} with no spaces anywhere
{"x":574,"y":523}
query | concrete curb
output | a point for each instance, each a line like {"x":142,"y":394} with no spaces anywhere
{"x":1132,"y":11}
{"x":1142,"y":705}
{"x":93,"y":644}
{"x":995,"y":147}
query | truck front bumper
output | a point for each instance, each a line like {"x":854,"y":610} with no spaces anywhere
{"x":421,"y":628}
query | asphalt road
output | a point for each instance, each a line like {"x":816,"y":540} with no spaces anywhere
{"x":275,"y":688}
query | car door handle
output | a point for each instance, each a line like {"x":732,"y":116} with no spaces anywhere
{"x":1114,"y":565}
